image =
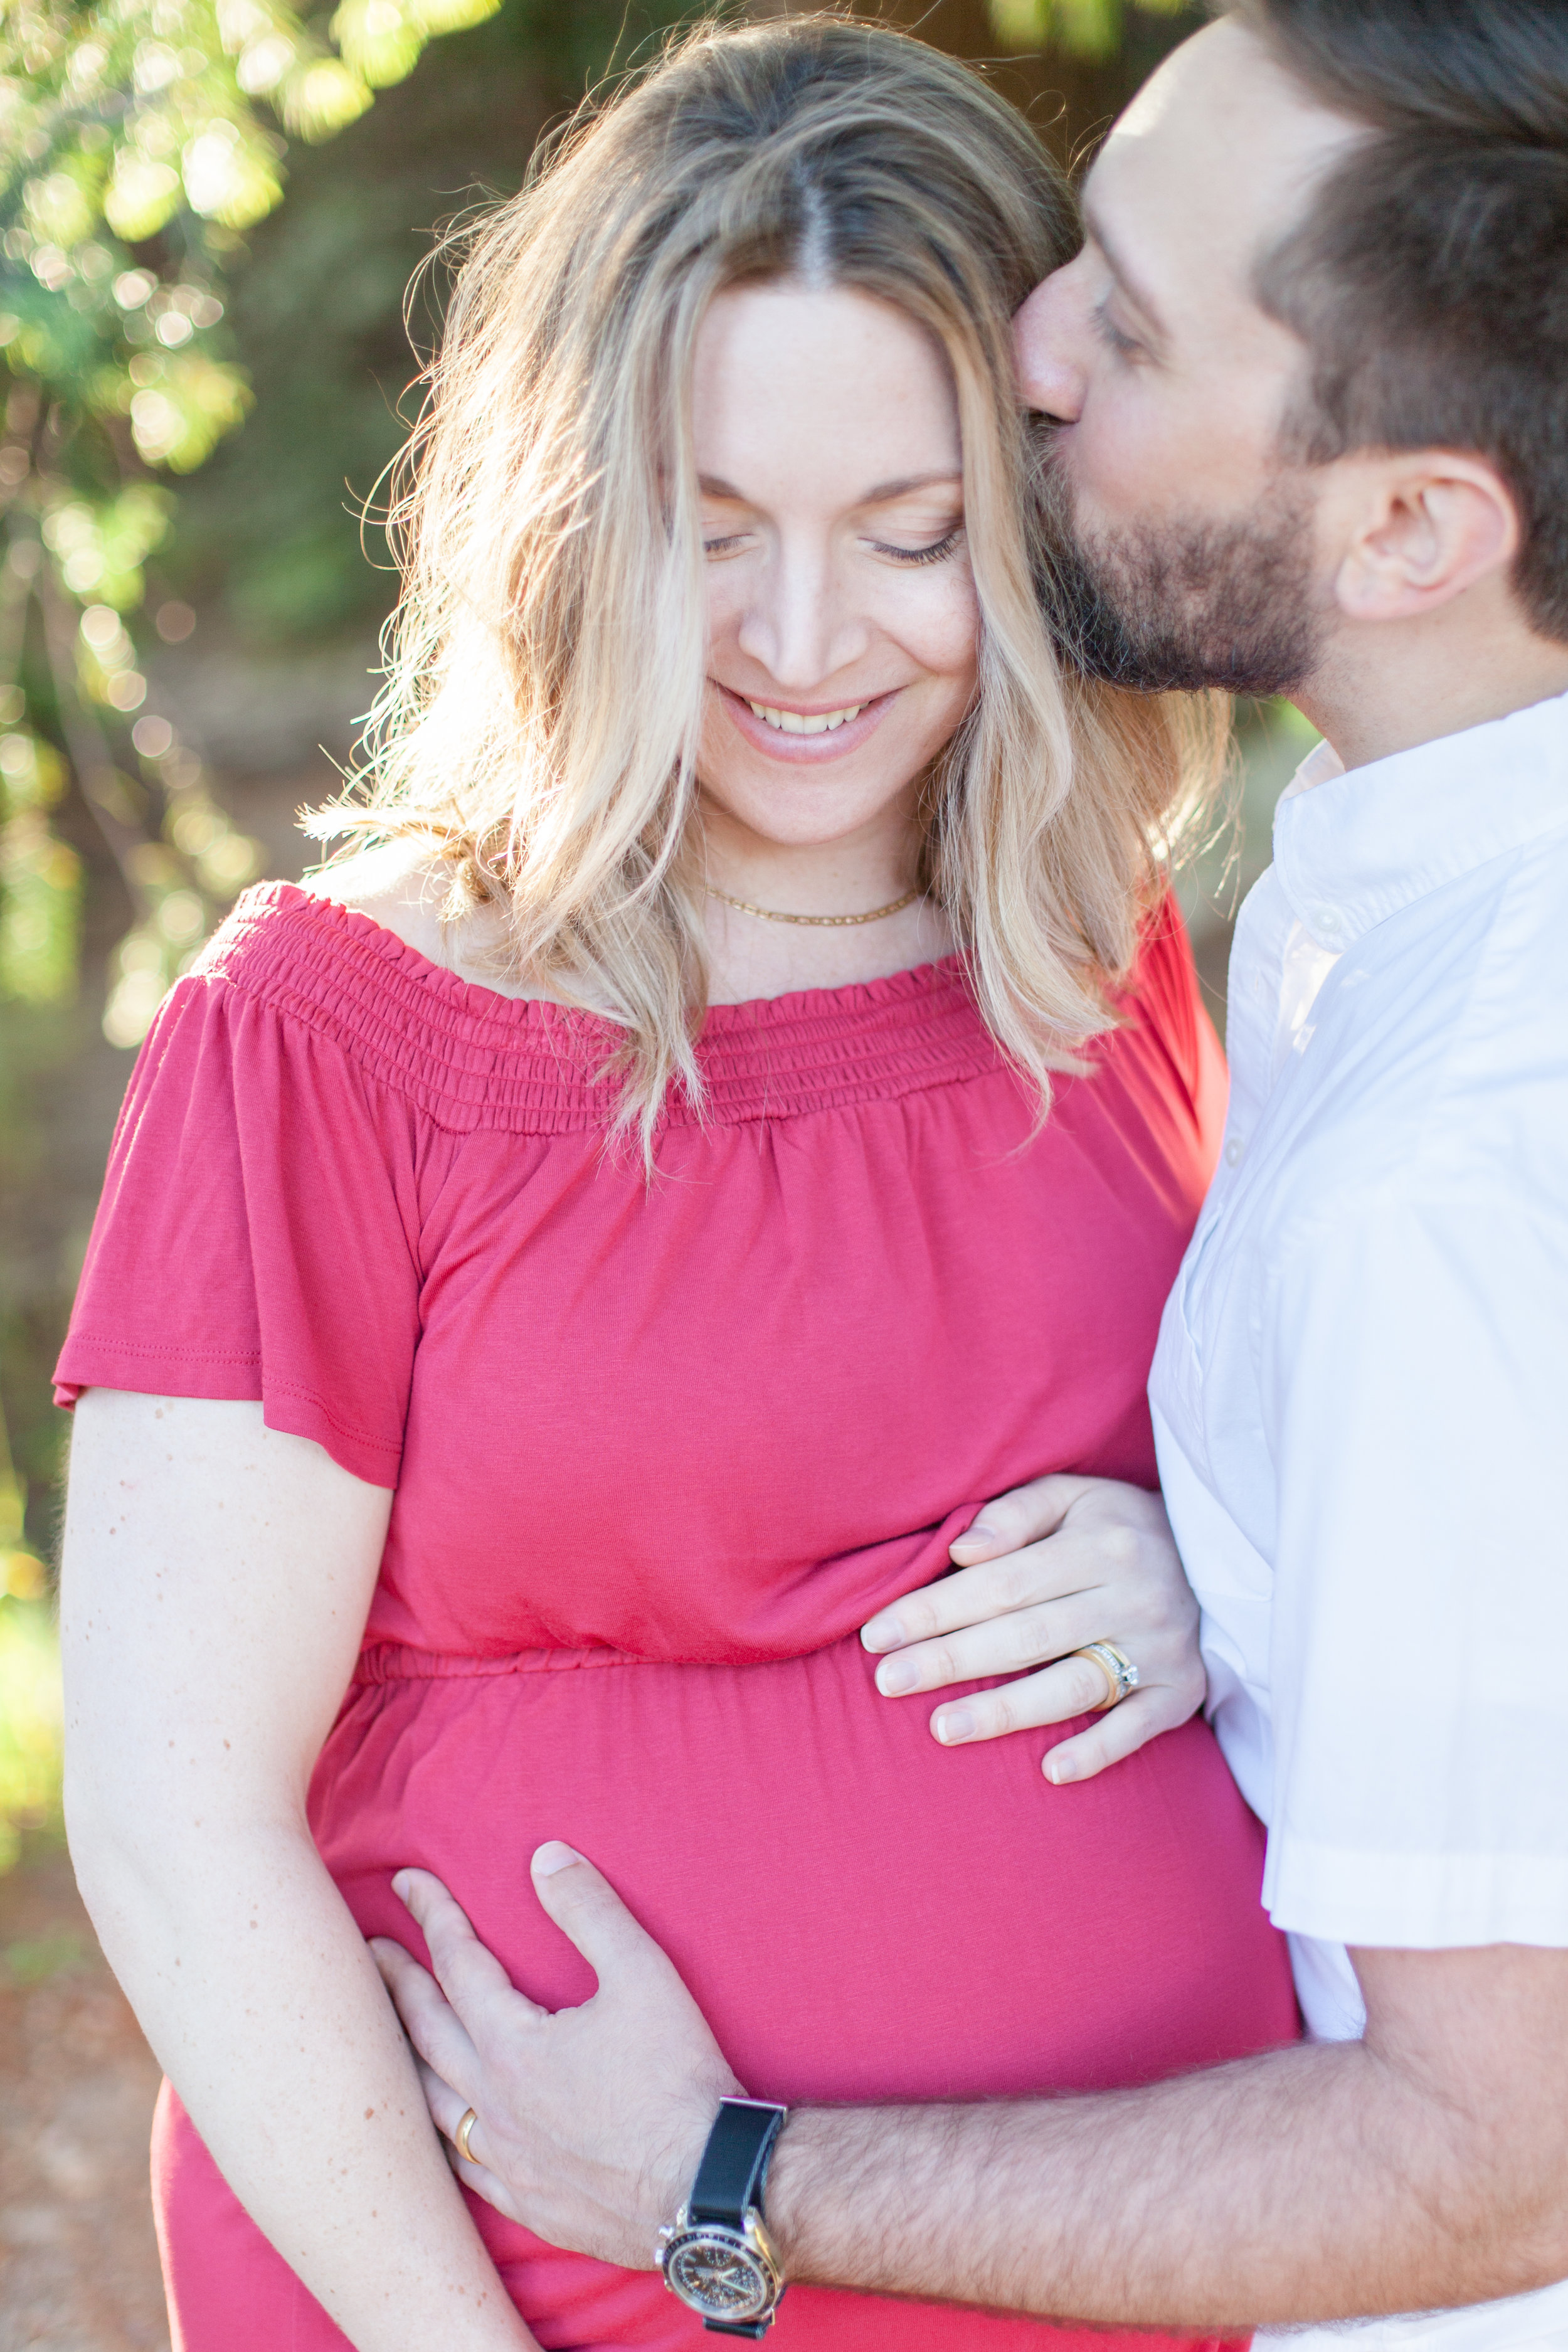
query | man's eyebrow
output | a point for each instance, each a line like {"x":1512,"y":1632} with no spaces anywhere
{"x":713,"y":487}
{"x":1125,"y":278}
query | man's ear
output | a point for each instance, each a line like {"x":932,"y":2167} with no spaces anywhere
{"x":1430,"y":525}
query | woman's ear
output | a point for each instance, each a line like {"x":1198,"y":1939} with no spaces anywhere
{"x":1432,"y":524}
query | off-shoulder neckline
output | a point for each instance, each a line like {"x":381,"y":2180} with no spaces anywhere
{"x":471,"y":1057}
{"x":491,"y":1003}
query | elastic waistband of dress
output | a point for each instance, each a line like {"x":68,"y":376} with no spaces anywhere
{"x":400,"y":1661}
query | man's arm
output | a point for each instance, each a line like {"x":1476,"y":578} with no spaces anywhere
{"x":1423,"y":2167}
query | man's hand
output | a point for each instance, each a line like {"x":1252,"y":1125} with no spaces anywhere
{"x":1042,"y":1571}
{"x":1425,"y":2166}
{"x":591,"y":2121}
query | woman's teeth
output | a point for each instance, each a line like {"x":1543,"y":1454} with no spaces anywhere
{"x":796,"y":722}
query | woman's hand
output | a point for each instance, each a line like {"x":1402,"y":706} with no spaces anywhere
{"x":1042,"y":1571}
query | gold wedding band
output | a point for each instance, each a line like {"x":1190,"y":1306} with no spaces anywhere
{"x":460,"y":2138}
{"x":1120,"y":1674}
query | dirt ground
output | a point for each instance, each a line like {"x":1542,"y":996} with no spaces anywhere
{"x":78,"y":2266}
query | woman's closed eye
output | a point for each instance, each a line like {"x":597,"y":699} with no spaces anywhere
{"x":720,"y":544}
{"x":937,"y":551}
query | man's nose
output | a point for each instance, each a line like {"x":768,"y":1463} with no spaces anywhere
{"x":1048,"y":347}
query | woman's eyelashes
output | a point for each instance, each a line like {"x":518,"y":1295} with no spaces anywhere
{"x":937,"y":551}
{"x":725,"y":545}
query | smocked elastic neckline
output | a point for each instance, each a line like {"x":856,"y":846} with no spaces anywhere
{"x":473,"y":1057}
{"x":476,"y":998}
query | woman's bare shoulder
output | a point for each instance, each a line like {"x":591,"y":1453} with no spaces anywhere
{"x":399,"y":885}
{"x":404,"y":887}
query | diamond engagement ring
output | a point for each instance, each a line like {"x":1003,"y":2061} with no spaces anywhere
{"x":1120,"y":1674}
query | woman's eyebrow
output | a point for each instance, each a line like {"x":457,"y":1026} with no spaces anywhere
{"x":713,"y":487}
{"x":884,"y":491}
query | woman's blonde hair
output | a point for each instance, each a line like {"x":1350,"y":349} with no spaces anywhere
{"x":546,"y":670}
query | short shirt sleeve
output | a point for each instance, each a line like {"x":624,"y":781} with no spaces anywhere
{"x":1413,"y":1395}
{"x":257,"y":1233}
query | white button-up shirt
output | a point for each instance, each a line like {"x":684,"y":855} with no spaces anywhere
{"x":1361,"y":1388}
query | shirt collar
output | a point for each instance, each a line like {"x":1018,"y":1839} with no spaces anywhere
{"x":1352,"y":848}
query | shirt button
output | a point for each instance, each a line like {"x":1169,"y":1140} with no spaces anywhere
{"x":1233,"y":1151}
{"x":1326,"y":922}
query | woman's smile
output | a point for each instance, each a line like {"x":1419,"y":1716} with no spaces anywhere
{"x":797,"y":733}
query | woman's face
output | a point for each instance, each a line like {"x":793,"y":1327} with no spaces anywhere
{"x":842,"y":619}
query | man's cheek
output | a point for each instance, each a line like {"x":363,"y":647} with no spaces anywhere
{"x":1132,"y":457}
{"x":1113,"y":467}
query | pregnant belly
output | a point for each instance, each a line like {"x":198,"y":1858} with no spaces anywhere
{"x":862,"y":1915}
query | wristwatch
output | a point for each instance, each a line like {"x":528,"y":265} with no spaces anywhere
{"x":716,"y":2256}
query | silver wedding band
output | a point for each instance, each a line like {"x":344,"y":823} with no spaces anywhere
{"x":1120,"y":1674}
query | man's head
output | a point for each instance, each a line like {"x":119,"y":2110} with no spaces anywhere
{"x":1309,"y":371}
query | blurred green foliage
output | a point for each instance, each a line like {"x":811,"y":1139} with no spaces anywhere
{"x":137,"y":143}
{"x":31,"y":1725}
{"x":1079,"y":28}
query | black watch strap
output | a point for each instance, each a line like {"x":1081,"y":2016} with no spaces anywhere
{"x":734,"y":2163}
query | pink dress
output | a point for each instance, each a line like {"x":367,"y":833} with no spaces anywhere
{"x":659,"y":1452}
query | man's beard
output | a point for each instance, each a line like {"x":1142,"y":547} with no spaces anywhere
{"x":1180,"y":605}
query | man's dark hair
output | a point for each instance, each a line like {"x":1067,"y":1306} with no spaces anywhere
{"x":1429,"y":280}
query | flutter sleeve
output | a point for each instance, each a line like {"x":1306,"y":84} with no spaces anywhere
{"x":257,"y":1234}
{"x":1170,"y":995}
{"x":1169,"y":1056}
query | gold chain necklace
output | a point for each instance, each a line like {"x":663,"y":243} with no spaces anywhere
{"x":818,"y":922}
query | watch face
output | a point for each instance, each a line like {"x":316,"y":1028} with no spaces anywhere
{"x":716,"y":2271}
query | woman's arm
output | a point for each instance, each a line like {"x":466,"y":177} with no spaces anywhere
{"x":216,"y":1579}
{"x":1041,"y":1572}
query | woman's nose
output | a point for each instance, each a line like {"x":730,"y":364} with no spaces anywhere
{"x":1049,"y":331}
{"x":802,"y":625}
